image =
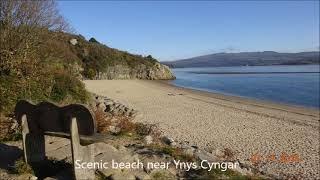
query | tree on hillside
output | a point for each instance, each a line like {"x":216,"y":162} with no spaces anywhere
{"x":93,"y":40}
{"x":25,"y":28}
{"x":32,"y":14}
{"x":22,"y":22}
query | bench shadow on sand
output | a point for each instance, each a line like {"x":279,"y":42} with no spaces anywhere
{"x":8,"y":155}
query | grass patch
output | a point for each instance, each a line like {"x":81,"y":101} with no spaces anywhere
{"x":175,"y":152}
{"x":102,"y":120}
{"x":7,"y":131}
{"x":21,"y":167}
{"x":12,"y":137}
{"x":67,"y":85}
{"x":125,"y":125}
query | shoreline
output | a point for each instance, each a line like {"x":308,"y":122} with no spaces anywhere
{"x":215,"y":121}
{"x":263,"y":104}
{"x":243,"y":99}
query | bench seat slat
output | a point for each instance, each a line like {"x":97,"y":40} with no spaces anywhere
{"x":84,"y":140}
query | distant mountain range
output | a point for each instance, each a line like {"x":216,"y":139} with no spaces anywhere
{"x":247,"y":59}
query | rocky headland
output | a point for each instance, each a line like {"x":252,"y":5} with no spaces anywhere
{"x":155,"y":72}
{"x":101,"y":62}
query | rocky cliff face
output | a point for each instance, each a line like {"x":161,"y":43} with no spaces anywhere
{"x":156,"y":72}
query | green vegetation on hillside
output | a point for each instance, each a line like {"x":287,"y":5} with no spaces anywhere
{"x":33,"y":64}
{"x":95,"y":57}
{"x":39,"y":62}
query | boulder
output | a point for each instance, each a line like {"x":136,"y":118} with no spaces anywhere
{"x":114,"y":129}
{"x":99,"y":99}
{"x":73,"y":41}
{"x":101,"y":106}
{"x":188,"y":151}
{"x":108,"y":102}
{"x":243,"y":170}
{"x":204,"y":155}
{"x":218,"y":153}
{"x":148,"y":140}
{"x":168,"y":141}
{"x":109,"y":108}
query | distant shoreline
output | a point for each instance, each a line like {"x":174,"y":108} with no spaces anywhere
{"x":243,"y":65}
{"x":265,"y":58}
{"x":253,"y":72}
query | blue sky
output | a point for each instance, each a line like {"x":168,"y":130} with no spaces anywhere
{"x":171,"y":30}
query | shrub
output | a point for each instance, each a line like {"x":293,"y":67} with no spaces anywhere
{"x":66,"y":84}
{"x":93,"y":40}
{"x":62,"y":87}
{"x":14,"y":88}
{"x":90,"y":73}
{"x":31,"y":51}
{"x":20,"y":167}
{"x":147,"y":129}
{"x":9,"y":130}
{"x":126,"y":125}
{"x":102,"y":120}
{"x":175,"y":152}
{"x":8,"y":93}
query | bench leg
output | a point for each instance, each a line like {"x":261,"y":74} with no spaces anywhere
{"x":33,"y":144}
{"x":81,"y":154}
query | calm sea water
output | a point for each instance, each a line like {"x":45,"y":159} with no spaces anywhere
{"x":297,"y":85}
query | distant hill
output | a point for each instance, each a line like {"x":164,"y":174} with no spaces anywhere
{"x":247,"y":59}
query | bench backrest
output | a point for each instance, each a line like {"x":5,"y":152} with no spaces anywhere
{"x":47,"y":116}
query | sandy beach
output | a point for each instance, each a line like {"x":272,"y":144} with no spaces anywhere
{"x":214,"y":121}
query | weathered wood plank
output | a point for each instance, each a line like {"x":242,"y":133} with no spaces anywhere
{"x":81,"y":154}
{"x":84,"y":140}
{"x":47,"y":116}
{"x":33,"y":144}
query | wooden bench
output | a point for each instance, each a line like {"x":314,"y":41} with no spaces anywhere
{"x":74,"y":122}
